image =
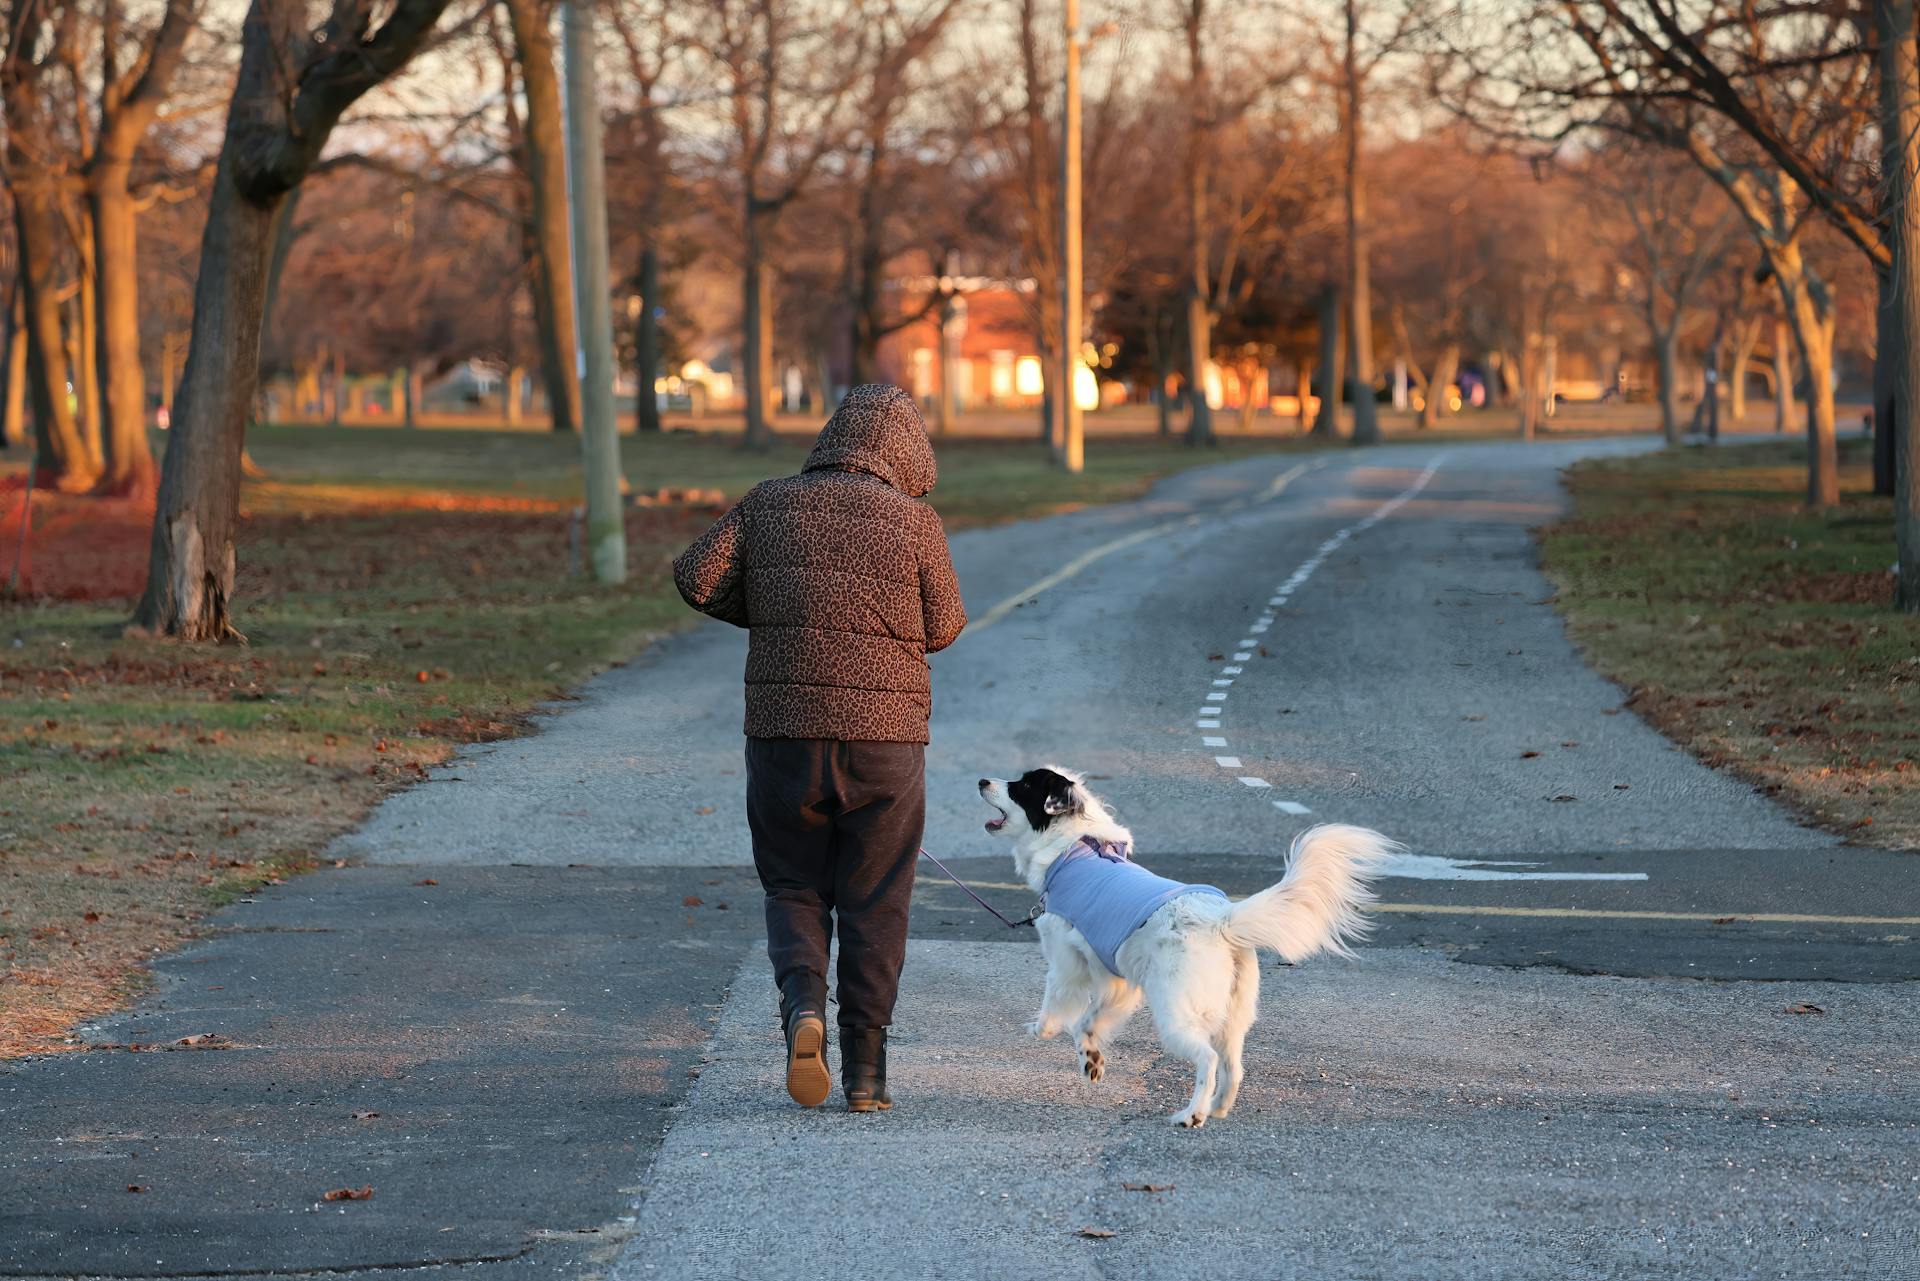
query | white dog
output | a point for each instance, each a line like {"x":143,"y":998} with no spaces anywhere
{"x":1113,"y":932}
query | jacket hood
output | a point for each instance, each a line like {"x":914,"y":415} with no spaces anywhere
{"x":877,"y":430}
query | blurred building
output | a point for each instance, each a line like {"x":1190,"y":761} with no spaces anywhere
{"x":989,"y":341}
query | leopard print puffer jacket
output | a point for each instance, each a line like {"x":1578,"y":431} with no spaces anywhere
{"x":843,"y":578}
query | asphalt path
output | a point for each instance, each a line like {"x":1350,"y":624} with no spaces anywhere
{"x":1622,"y":1016}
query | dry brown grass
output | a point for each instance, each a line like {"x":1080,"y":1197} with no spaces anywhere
{"x":1759,"y":636}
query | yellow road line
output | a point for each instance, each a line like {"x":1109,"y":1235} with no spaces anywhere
{"x":1093,"y":554}
{"x":1772,"y":918}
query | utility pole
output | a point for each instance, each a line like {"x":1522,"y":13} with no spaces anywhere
{"x":1071,"y":445}
{"x":593,"y":314}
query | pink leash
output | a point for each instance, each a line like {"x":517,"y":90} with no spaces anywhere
{"x":1029,"y":919}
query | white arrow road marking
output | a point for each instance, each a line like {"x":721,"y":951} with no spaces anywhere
{"x":1434,"y":867}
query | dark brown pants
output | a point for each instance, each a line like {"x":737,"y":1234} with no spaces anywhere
{"x":836,"y":829}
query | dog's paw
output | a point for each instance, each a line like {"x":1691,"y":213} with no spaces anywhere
{"x":1044,"y":1028}
{"x":1188,"y":1120}
{"x":1093,"y":1064}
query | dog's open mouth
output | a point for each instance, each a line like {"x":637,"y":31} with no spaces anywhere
{"x":998,"y":821}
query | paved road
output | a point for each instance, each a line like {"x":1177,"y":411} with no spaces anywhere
{"x":1399,"y":686}
{"x":1583,"y":1043}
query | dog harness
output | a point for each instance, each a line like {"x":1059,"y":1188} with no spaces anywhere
{"x":1098,"y":890}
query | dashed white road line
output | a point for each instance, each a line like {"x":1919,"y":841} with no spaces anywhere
{"x":1079,"y":563}
{"x":1209,"y":717}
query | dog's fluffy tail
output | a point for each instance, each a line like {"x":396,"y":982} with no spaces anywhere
{"x":1318,"y":905}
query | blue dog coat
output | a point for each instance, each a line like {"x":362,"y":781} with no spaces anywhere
{"x":1097,"y":890}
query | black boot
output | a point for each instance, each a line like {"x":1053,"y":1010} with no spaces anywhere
{"x":809,"y":1080}
{"x":863,"y":1069}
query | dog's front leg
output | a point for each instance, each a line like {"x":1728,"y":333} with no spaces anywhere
{"x":1069,"y":987}
{"x":1113,"y":1003}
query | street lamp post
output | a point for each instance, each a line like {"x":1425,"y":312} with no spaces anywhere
{"x":1069,"y":443}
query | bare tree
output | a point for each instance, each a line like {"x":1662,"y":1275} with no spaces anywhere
{"x":294,"y":82}
{"x":785,"y":72}
{"x":1361,"y":54}
{"x":35,"y":178}
{"x":649,"y":44}
{"x":541,"y":152}
{"x":1768,"y":99}
{"x":901,"y":42}
{"x":1677,"y":226}
{"x":130,"y":98}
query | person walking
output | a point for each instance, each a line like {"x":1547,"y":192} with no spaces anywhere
{"x":843,"y":579}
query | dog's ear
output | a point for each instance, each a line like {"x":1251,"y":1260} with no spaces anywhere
{"x":1059,"y":798}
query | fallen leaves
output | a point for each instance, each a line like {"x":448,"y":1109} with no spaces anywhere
{"x":205,"y":1041}
{"x":1148,"y":1187}
{"x":1563,"y":797}
{"x":1528,"y":755}
{"x":692,"y":900}
{"x":364,"y":1116}
{"x":428,"y":881}
{"x":1805,"y":1008}
{"x":349,"y":1194}
{"x":1095,"y":1234}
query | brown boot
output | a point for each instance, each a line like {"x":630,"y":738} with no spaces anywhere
{"x":863,"y":1069}
{"x":808,"y":1080}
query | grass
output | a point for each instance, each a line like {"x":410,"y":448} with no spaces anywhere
{"x":404,"y":593}
{"x":1755,"y":633}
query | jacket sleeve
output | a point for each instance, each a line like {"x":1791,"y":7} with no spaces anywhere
{"x":710,"y":575}
{"x":941,"y":610}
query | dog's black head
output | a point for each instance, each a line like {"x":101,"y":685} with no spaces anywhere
{"x":1038,"y":797}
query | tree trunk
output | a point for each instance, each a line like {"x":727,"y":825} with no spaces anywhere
{"x":757,"y":328}
{"x":1745,"y":340}
{"x":1326,"y":419}
{"x":1666,"y":346}
{"x":544,"y":144}
{"x":83,"y":338}
{"x":1812,"y":320}
{"x":190,"y":569}
{"x":1889,"y":351}
{"x":1160,"y":353}
{"x":60,"y":452}
{"x":1444,"y":371}
{"x":1529,"y":384}
{"x":1366,"y":420}
{"x":1303,"y":390}
{"x":869,"y":269}
{"x":13,"y":411}
{"x":129,"y":459}
{"x":1199,"y":282}
{"x":1199,"y":353}
{"x":1899,"y":61}
{"x":1783,"y":409}
{"x":646,"y":342}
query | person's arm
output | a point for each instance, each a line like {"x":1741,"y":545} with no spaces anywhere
{"x":942,"y":612}
{"x":710,"y":575}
